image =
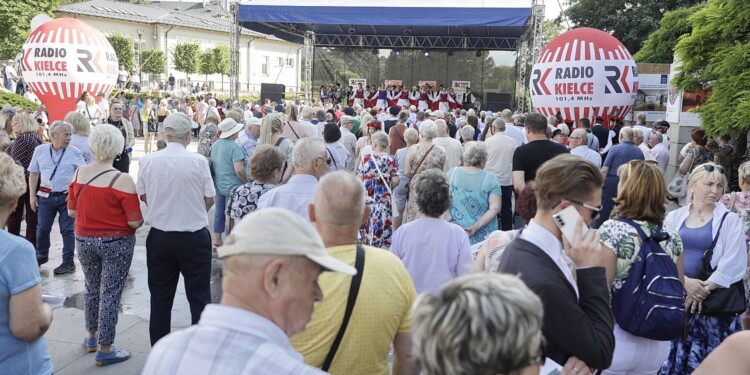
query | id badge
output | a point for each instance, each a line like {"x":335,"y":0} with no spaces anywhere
{"x":45,"y":189}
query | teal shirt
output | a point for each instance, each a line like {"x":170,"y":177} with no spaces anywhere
{"x":470,"y":193}
{"x":224,"y":153}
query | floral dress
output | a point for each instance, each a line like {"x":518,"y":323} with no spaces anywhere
{"x":377,"y":231}
{"x":244,"y":199}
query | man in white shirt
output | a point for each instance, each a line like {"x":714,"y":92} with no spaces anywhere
{"x":349,"y":140}
{"x":453,"y":149}
{"x":122,"y":77}
{"x":11,"y":76}
{"x":500,"y":149}
{"x":659,"y":151}
{"x":306,"y":115}
{"x":176,"y":185}
{"x":640,"y":124}
{"x":577,"y":142}
{"x":310,"y":162}
{"x":272,"y":261}
{"x":103,"y":104}
{"x":510,"y":129}
{"x":638,"y":140}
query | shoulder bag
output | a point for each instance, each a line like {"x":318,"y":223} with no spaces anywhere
{"x":722,"y":302}
{"x":678,"y":186}
{"x":414,"y":172}
{"x":359,"y":264}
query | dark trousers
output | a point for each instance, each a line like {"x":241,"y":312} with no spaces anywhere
{"x":609,"y":193}
{"x":506,"y":209}
{"x":169,"y":254}
{"x":17,"y":217}
{"x":122,"y":163}
{"x":55,"y":205}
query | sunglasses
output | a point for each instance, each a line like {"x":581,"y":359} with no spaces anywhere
{"x":594,"y":210}
{"x":710,"y":168}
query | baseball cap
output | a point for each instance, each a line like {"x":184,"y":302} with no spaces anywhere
{"x":253,"y":121}
{"x":438,"y":114}
{"x":278,"y":231}
{"x":257,"y":114}
{"x":268,"y":109}
{"x":178,"y":122}
{"x":229,"y":127}
{"x":394,"y":110}
{"x":279,"y":108}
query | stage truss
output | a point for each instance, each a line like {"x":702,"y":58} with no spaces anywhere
{"x":528,"y":53}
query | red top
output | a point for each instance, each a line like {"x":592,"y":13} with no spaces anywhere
{"x":359,"y":93}
{"x":103,"y":211}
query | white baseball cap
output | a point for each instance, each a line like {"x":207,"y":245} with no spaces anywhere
{"x":278,"y":231}
{"x":253,"y":121}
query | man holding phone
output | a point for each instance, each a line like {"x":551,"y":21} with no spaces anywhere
{"x":567,"y":274}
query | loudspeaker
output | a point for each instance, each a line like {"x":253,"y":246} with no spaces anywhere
{"x":271,"y":91}
{"x":497,"y":101}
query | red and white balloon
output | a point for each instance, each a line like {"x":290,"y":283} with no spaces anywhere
{"x":584,"y":72}
{"x":64,"y":57}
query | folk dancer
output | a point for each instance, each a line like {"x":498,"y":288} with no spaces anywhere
{"x":403,"y":98}
{"x":434,"y":97}
{"x":424,"y":99}
{"x":443,"y":104}
{"x":468,"y":99}
{"x":359,"y":96}
{"x":453,"y":100}
{"x":382,"y":98}
{"x":372,"y":100}
{"x":414,"y":96}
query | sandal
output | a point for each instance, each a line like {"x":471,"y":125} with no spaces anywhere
{"x":91,"y":344}
{"x":115,"y":356}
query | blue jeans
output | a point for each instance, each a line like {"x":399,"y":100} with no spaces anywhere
{"x":48,"y":208}
{"x":219,"y":215}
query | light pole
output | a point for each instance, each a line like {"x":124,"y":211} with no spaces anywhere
{"x":140,"y":56}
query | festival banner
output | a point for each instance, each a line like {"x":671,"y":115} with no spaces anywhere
{"x":428,"y":83}
{"x":459,"y":87}
{"x":674,"y":100}
{"x":652,"y":97}
{"x":353,"y":82}
{"x":393,"y":82}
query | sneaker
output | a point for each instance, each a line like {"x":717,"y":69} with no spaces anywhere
{"x":91,"y":344}
{"x":115,"y":356}
{"x":41,"y":259}
{"x":64,"y":268}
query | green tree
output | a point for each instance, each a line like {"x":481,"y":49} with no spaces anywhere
{"x":186,"y":56}
{"x":205,"y":65}
{"x":154,"y":62}
{"x":220,"y":61}
{"x":551,"y":29}
{"x":715,"y":56}
{"x":123,"y":46}
{"x":630,"y":21}
{"x":16,"y":25}
{"x":659,"y":46}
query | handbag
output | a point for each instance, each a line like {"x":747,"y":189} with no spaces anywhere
{"x":678,"y":187}
{"x":722,"y":302}
{"x":414,"y":173}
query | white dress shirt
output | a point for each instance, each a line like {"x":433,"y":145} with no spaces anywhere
{"x":512,"y":131}
{"x":227,"y":340}
{"x":661,"y":154}
{"x":175,"y":182}
{"x":295,"y":195}
{"x":550,"y":245}
{"x":312,"y":130}
{"x":500,"y":149}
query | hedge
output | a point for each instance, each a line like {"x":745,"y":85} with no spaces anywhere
{"x":15,"y":100}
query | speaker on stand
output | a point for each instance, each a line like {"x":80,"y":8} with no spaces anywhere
{"x":273,"y":91}
{"x":497,"y":101}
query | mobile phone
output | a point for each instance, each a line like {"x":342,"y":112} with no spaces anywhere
{"x":566,"y":220}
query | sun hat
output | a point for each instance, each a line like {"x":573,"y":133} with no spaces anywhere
{"x":229,"y":127}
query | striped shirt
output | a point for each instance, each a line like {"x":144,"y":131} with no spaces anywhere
{"x":226,"y":341}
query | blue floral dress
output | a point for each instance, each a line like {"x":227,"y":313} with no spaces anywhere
{"x":377,"y":231}
{"x":470,"y":193}
{"x":244,"y":199}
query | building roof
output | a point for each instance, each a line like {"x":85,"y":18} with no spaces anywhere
{"x":157,"y":15}
{"x":214,"y":8}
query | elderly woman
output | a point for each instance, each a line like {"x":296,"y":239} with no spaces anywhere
{"x":228,"y":162}
{"x":80,"y":137}
{"x":207,"y":135}
{"x":421,"y":157}
{"x":270,"y":134}
{"x":107,"y":211}
{"x":479,"y":324}
{"x":293,"y":129}
{"x":116,"y":119}
{"x":6,"y":119}
{"x":700,"y":224}
{"x":640,"y":198}
{"x":379,"y":173}
{"x":336,"y":151}
{"x":21,"y":151}
{"x":24,"y":318}
{"x":475,"y":194}
{"x":400,"y":192}
{"x":467,"y":134}
{"x":265,"y":168}
{"x":433,"y":250}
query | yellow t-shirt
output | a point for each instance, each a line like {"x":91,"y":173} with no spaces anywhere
{"x":382,"y":309}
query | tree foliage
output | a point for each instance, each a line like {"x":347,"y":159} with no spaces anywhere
{"x":205,"y":65}
{"x":123,"y":46}
{"x":154,"y":62}
{"x":186,"y":56}
{"x":715,"y":56}
{"x":16,"y":24}
{"x":551,"y":29}
{"x":630,"y":21}
{"x":659,"y":46}
{"x":220,"y":59}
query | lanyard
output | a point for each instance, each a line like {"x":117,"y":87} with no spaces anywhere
{"x":57,"y":164}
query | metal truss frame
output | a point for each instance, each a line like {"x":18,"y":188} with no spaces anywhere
{"x":234,"y":50}
{"x":528,"y":53}
{"x":407,"y":42}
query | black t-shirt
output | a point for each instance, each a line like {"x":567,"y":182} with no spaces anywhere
{"x":529,"y":157}
{"x":452,"y":129}
{"x":601,"y":133}
{"x":388,"y":124}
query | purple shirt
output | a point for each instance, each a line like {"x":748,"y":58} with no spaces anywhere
{"x":434,"y":251}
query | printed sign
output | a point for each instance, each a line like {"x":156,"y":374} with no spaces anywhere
{"x":584,"y":73}
{"x":428,"y":83}
{"x":459,"y":87}
{"x":354,"y":81}
{"x":392,"y":82}
{"x":64,"y":57}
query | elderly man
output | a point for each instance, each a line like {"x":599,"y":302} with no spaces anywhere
{"x":349,"y":140}
{"x":453,"y":149}
{"x":577,"y":142}
{"x":176,"y":185}
{"x":306,"y":116}
{"x":272,"y":263}
{"x":500,"y":149}
{"x":384,"y":298}
{"x":511,"y":130}
{"x":638,"y":140}
{"x":620,"y":154}
{"x":52,"y":167}
{"x":248,"y":138}
{"x":211,"y":110}
{"x":659,"y":150}
{"x":591,"y":141}
{"x":640,"y":124}
{"x":310,"y":162}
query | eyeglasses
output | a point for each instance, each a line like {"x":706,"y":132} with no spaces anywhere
{"x":710,"y":168}
{"x":594,"y":210}
{"x":533,"y":360}
{"x":327,"y":159}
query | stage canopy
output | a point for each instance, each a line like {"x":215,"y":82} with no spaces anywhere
{"x":393,"y":24}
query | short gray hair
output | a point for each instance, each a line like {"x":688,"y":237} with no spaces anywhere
{"x":627,"y":133}
{"x":59,"y":124}
{"x":106,"y":142}
{"x":467,"y":132}
{"x":658,"y":136}
{"x":475,"y":153}
{"x":320,"y":115}
{"x":428,"y":130}
{"x":479,"y":323}
{"x":411,"y":136}
{"x":498,"y":124}
{"x":551,"y":120}
{"x":380,"y":139}
{"x":506,"y":115}
{"x":306,"y":150}
{"x":306,"y":111}
{"x":637,"y":134}
{"x":347,"y":120}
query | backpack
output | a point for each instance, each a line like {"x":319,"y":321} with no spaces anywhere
{"x":650,"y":303}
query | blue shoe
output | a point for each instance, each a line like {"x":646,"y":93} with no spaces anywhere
{"x":115,"y":356}
{"x":90,"y":344}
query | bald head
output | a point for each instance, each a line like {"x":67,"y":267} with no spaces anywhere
{"x":506,"y":115}
{"x":339,"y":200}
{"x":442,"y":128}
{"x":579,"y":133}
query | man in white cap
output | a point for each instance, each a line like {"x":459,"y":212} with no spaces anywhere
{"x":272,"y":261}
{"x":248,"y":138}
{"x":229,"y":163}
{"x":176,"y":185}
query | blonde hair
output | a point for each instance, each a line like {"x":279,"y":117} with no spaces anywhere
{"x":81,"y":124}
{"x":271,"y":124}
{"x":700,"y":173}
{"x":291,"y":112}
{"x":106,"y":142}
{"x":13,"y":183}
{"x":565,"y":176}
{"x":234,"y":115}
{"x":90,"y":100}
{"x":642,"y":193}
{"x":26,"y":122}
{"x":146,"y":110}
{"x":411,"y":136}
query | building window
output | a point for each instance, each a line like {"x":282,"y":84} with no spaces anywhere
{"x":264,"y":67}
{"x":137,"y":49}
{"x":290,"y":63}
{"x":279,"y":61}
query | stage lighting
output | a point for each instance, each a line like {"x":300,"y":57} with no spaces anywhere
{"x":465,"y":32}
{"x":427,"y":52}
{"x":374,"y":51}
{"x":397,"y":52}
{"x":479,"y":53}
{"x":352,"y":30}
{"x":407,"y":31}
{"x":450,"y":52}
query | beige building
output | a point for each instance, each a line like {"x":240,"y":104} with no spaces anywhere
{"x":263,"y":58}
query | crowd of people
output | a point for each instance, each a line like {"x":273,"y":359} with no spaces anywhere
{"x":462,"y":241}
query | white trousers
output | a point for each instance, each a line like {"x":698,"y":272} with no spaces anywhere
{"x":636,"y":355}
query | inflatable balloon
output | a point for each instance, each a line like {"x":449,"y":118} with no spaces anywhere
{"x":63,"y":58}
{"x":584,"y":73}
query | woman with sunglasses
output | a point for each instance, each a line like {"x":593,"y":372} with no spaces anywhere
{"x":640,"y":197}
{"x":698,"y":224}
